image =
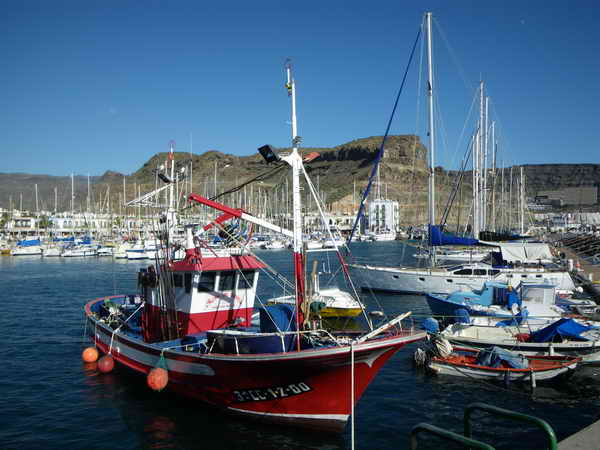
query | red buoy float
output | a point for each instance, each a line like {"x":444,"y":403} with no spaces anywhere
{"x":106,"y":364}
{"x":157,"y":379}
{"x":90,"y":355}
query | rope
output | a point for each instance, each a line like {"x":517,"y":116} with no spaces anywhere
{"x":381,"y":148}
{"x":116,"y":330}
{"x":85,"y":321}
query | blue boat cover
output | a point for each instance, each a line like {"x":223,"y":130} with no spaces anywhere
{"x":438,"y":237}
{"x":430,"y":325}
{"x":278,"y":317}
{"x":516,"y":320}
{"x":86,"y":240}
{"x":562,"y":328}
{"x":29,"y":243}
{"x":462,"y":315}
{"x":67,"y":239}
{"x":493,"y":357}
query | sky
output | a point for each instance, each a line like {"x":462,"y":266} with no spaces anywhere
{"x":90,"y":86}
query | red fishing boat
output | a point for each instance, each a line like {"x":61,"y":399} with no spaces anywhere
{"x":190,"y":329}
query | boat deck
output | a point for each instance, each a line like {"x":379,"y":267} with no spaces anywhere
{"x":589,"y":271}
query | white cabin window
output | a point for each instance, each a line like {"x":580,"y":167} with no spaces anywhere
{"x":177,"y":280}
{"x":188,"y":282}
{"x":227,"y":282}
{"x":207,"y":282}
{"x":246,"y":279}
{"x":464,"y":272}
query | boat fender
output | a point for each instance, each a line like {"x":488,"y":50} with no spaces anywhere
{"x":522,"y":337}
{"x":106,"y":364}
{"x":90,"y":355}
{"x":157,"y":379}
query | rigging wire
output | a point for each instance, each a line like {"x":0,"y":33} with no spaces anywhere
{"x":381,"y":148}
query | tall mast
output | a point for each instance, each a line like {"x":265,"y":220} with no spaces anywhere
{"x":171,"y":209}
{"x":431,"y":127}
{"x":522,"y":202}
{"x":485,"y":166}
{"x":72,"y":195}
{"x":493,"y":134}
{"x":88,"y":194}
{"x":124,"y":202}
{"x":295,"y":161}
{"x":191,"y":164}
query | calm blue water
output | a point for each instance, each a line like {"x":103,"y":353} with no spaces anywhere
{"x":49,"y":399}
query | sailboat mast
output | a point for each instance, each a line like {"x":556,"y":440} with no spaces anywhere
{"x":484,"y":209}
{"x":72,"y":195}
{"x":522,"y":202}
{"x":431,"y":128}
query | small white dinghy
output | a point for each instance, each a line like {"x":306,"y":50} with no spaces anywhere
{"x":493,"y":363}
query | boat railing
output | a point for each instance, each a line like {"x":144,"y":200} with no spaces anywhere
{"x":445,"y":434}
{"x":467,"y":437}
{"x":329,"y":338}
{"x":508,"y":414}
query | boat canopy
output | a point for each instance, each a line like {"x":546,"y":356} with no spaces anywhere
{"x":437,"y":237}
{"x":522,"y":251}
{"x":495,"y":356}
{"x":29,"y":242}
{"x":67,"y":239}
{"x":563,"y":328}
{"x":493,"y":236}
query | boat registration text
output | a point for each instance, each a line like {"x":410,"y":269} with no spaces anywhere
{"x":270,"y":393}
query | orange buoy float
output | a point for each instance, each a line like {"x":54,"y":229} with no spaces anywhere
{"x":157,"y":379}
{"x":90,"y":355}
{"x":106,"y":364}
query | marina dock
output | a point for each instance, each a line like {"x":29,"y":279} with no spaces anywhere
{"x":588,"y":438}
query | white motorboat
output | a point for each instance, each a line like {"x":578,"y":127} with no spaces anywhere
{"x":79,"y":251}
{"x":52,"y":251}
{"x":105,"y":251}
{"x":27,"y":247}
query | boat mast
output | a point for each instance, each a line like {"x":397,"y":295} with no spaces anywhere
{"x":522,"y":202}
{"x":295,"y":161}
{"x":484,"y":206}
{"x":72,"y":196}
{"x":171,"y":208}
{"x":431,"y":128}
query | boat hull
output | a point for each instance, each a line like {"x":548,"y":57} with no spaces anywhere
{"x":421,"y":281}
{"x":310,"y":388}
{"x":542,"y":368}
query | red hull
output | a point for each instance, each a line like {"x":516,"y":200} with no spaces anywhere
{"x":311,"y":388}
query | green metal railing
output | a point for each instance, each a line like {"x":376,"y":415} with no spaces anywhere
{"x":467,"y":439}
{"x":552,"y":444}
{"x":445,"y":434}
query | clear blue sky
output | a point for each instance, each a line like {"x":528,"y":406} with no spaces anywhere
{"x":94,"y":85}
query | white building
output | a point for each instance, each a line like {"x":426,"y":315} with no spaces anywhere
{"x":384,"y":215}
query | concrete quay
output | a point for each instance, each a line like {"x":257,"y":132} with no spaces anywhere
{"x":586,"y":439}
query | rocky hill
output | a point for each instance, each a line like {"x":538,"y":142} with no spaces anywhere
{"x":341,"y":174}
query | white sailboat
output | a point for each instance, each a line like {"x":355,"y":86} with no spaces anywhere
{"x":446,"y":279}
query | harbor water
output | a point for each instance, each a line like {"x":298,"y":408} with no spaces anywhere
{"x":50,"y":399}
